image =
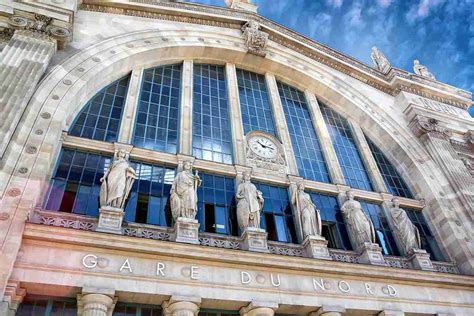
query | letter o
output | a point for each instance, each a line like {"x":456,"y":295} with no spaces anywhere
{"x":344,"y":286}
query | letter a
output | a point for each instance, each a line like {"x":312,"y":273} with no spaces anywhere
{"x":126,"y":265}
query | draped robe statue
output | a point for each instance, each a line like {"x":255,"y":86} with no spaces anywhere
{"x":359,"y":225}
{"x":184,"y":193}
{"x":422,"y":70}
{"x":379,"y":60}
{"x":117,"y":182}
{"x":407,"y":233}
{"x":309,"y":215}
{"x":249,"y":204}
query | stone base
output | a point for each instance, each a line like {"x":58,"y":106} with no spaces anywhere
{"x":254,"y":239}
{"x":110,"y":220}
{"x":420,"y":259}
{"x":371,"y":254}
{"x":186,"y":230}
{"x":316,"y":247}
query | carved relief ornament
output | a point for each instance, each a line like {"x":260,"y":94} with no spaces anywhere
{"x":264,"y":151}
{"x":255,"y":39}
{"x":421,"y":125}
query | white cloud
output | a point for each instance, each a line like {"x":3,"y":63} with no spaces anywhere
{"x":320,"y":26}
{"x":384,"y":3}
{"x":354,"y":16}
{"x":422,"y":9}
{"x":334,"y":3}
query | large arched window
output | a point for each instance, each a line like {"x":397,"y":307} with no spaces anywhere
{"x":75,"y":184}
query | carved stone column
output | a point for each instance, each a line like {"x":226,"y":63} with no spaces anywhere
{"x":280,"y":122}
{"x":435,"y":138}
{"x":130,"y":109}
{"x":181,"y":306}
{"x":391,"y":313}
{"x":259,"y":309}
{"x":329,"y":311}
{"x":22,"y":63}
{"x":186,"y":115}
{"x":334,"y":168}
{"x":96,"y":302}
{"x":238,"y":138}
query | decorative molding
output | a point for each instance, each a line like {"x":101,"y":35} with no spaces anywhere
{"x":422,"y":125}
{"x":389,"y":83}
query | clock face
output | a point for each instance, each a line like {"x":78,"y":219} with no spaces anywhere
{"x":263,"y":146}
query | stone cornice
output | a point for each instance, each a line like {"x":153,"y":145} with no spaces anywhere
{"x":395,"y":81}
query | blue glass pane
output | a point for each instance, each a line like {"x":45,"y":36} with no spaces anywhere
{"x":307,"y":149}
{"x":428,"y":241}
{"x":100,"y":118}
{"x":211,"y":127}
{"x":392,"y":178}
{"x":216,"y":204}
{"x":346,"y":150}
{"x":148,"y":202}
{"x":156,"y":123}
{"x":254,"y":102}
{"x":382,"y":230}
{"x":40,"y":306}
{"x":75,"y":185}
{"x":331,"y":217}
{"x":277,"y":217}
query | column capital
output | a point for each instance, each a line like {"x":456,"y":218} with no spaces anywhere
{"x":181,"y":305}
{"x":390,"y":313}
{"x":329,"y":310}
{"x":96,"y":302}
{"x":259,"y":309}
{"x":422,"y":125}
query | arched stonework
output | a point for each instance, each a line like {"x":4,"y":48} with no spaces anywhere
{"x":69,"y":85}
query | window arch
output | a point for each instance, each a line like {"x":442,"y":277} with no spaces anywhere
{"x":100,"y":118}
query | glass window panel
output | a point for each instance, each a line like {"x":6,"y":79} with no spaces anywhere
{"x":254,"y":102}
{"x":76,"y":191}
{"x":383,"y":233}
{"x":210,"y":115}
{"x":44,"y":306}
{"x":333,"y":224}
{"x":307,"y":149}
{"x":347,"y":153}
{"x":277,"y":216}
{"x":216,"y":204}
{"x":89,"y":124}
{"x":154,"y":119}
{"x":392,"y":178}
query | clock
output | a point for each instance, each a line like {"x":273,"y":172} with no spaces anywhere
{"x":263,"y":146}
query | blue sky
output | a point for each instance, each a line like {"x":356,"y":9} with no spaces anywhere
{"x":440,"y":33}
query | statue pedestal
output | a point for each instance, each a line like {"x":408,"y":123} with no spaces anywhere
{"x":254,"y":239}
{"x":316,"y":247}
{"x":186,"y":230}
{"x":420,"y":259}
{"x":110,"y":220}
{"x":370,"y":253}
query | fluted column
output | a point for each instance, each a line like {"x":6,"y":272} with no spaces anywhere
{"x":280,"y":122}
{"x":22,"y":63}
{"x":181,"y":306}
{"x":93,"y":304}
{"x":238,"y":137}
{"x":186,"y":110}
{"x":130,"y":109}
{"x":259,"y":309}
{"x":334,"y":168}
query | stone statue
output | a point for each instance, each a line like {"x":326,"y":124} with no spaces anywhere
{"x":249,"y":203}
{"x":184,"y":192}
{"x":407,"y":233}
{"x":309,"y":215}
{"x":379,"y":60}
{"x":359,"y":225}
{"x":255,"y":39}
{"x":421,"y":70}
{"x":117,"y":181}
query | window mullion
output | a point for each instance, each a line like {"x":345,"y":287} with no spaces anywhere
{"x":322,"y":133}
{"x":186,"y":109}
{"x":130,"y":109}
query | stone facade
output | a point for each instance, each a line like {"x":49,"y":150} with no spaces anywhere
{"x":77,"y":49}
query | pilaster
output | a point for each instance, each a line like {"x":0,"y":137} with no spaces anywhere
{"x":130,"y":109}
{"x":181,"y":306}
{"x":12,"y":298}
{"x":334,"y":168}
{"x":238,"y":137}
{"x":186,"y":110}
{"x":280,"y":122}
{"x":368,"y":159}
{"x":22,"y":63}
